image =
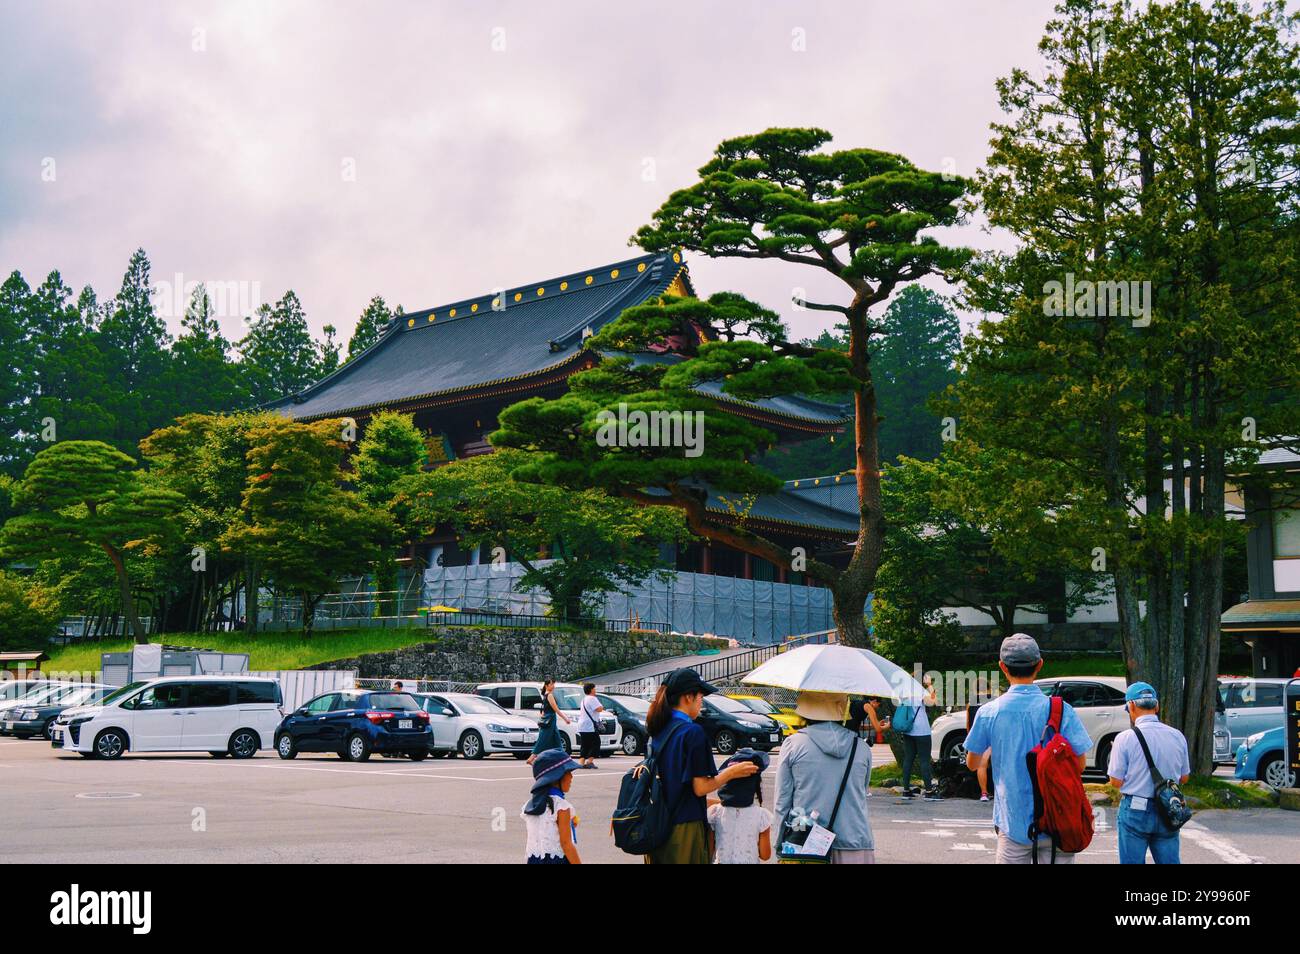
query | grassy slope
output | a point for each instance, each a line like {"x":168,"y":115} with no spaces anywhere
{"x":266,"y":651}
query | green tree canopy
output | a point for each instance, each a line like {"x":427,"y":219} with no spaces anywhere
{"x":77,"y":495}
{"x":857,"y":215}
{"x":596,"y":544}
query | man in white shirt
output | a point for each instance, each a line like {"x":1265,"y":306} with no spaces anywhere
{"x":589,"y":726}
{"x":1140,"y":826}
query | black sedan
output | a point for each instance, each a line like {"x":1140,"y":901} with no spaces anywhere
{"x":356,"y":722}
{"x":731,"y":725}
{"x":631,"y":712}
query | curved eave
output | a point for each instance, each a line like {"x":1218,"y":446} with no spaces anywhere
{"x":781,"y":523}
{"x":748,"y":409}
{"x":466,"y":391}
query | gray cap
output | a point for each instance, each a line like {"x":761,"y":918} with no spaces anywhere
{"x":1019,"y":649}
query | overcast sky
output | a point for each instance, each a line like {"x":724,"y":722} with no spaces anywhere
{"x":433,"y":151}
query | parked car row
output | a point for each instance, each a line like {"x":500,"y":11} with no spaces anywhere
{"x":237,"y":716}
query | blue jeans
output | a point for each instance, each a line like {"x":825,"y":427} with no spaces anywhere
{"x":1140,"y":830}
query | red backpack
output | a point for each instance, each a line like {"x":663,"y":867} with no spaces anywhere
{"x":1061,"y":808}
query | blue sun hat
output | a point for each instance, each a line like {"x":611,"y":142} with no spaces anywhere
{"x":548,"y":768}
{"x":740,"y":792}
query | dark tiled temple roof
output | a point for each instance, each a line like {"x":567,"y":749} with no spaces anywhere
{"x":535,"y":331}
{"x":467,"y":344}
{"x":788,"y":509}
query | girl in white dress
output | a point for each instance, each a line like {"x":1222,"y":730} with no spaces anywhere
{"x":742,"y":827}
{"x":549,"y":819}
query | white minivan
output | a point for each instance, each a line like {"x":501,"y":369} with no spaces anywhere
{"x":223,"y":715}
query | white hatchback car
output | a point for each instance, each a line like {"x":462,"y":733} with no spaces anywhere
{"x":475,"y":726}
{"x":222,"y":715}
{"x":525,"y":699}
{"x":1098,"y":700}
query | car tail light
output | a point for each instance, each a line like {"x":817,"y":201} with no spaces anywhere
{"x":421,"y":714}
{"x":378,"y":716}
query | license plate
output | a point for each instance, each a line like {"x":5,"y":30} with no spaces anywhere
{"x":405,"y":723}
{"x":530,"y":736}
{"x":774,"y":737}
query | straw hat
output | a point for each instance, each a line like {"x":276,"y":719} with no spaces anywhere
{"x":823,"y":706}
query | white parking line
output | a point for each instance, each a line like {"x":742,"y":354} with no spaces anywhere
{"x":408,"y":773}
{"x":1201,"y":836}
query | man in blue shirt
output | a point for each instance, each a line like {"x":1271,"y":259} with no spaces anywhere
{"x":1139,"y":825}
{"x":1010,"y":726}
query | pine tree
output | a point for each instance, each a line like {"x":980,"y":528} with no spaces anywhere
{"x":278,"y":352}
{"x":370,"y":326}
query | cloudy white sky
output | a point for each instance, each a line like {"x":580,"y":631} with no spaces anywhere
{"x":493,"y":143}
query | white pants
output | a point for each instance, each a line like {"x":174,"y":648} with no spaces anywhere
{"x":1014,"y":853}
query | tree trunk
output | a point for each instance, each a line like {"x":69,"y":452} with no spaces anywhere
{"x":128,"y":604}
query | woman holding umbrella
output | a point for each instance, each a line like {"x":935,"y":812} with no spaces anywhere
{"x":825,"y":769}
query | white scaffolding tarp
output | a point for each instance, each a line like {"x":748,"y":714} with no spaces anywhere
{"x":752,"y":611}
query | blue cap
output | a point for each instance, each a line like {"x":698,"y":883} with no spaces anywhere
{"x":1143,"y":693}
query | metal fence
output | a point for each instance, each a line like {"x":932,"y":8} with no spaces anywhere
{"x":725,"y":669}
{"x":491,"y":618}
{"x":417,"y":685}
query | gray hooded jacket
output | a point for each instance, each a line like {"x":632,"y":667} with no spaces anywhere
{"x":812,"y":766}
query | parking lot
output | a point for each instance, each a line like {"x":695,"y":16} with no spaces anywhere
{"x":194,"y":808}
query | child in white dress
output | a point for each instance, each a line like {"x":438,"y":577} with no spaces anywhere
{"x":742,"y":827}
{"x":549,"y":819}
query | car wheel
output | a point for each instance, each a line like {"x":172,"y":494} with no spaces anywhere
{"x":471,"y":745}
{"x":1275,"y":773}
{"x":285,"y":747}
{"x":358,"y":749}
{"x":45,"y":730}
{"x":725,"y":741}
{"x":631,"y":744}
{"x":110,"y":744}
{"x":244,"y":744}
{"x":566,"y":744}
{"x":419,"y":755}
{"x":954,"y":747}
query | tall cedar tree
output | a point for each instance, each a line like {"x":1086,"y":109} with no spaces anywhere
{"x":1156,"y":145}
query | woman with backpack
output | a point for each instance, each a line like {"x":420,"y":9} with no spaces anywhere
{"x":683,"y":756}
{"x":548,"y":733}
{"x":913,"y":726}
{"x":824,"y":774}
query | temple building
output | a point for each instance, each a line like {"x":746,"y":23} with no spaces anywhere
{"x":455,"y":366}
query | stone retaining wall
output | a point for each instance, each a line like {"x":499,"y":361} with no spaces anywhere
{"x":485,"y":654}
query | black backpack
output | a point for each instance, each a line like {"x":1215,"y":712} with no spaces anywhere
{"x":643,"y":819}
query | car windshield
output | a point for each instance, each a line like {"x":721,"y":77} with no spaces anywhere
{"x":567,"y":698}
{"x":729,"y":705}
{"x":633,"y":704}
{"x":79,"y":696}
{"x":126,"y":690}
{"x":393,"y":700}
{"x":47,"y":694}
{"x":758,"y":705}
{"x":478,"y":705}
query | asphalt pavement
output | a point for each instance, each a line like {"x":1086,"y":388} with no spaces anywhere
{"x":161,"y":809}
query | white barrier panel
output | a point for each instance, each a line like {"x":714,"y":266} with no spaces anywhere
{"x":299,"y":685}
